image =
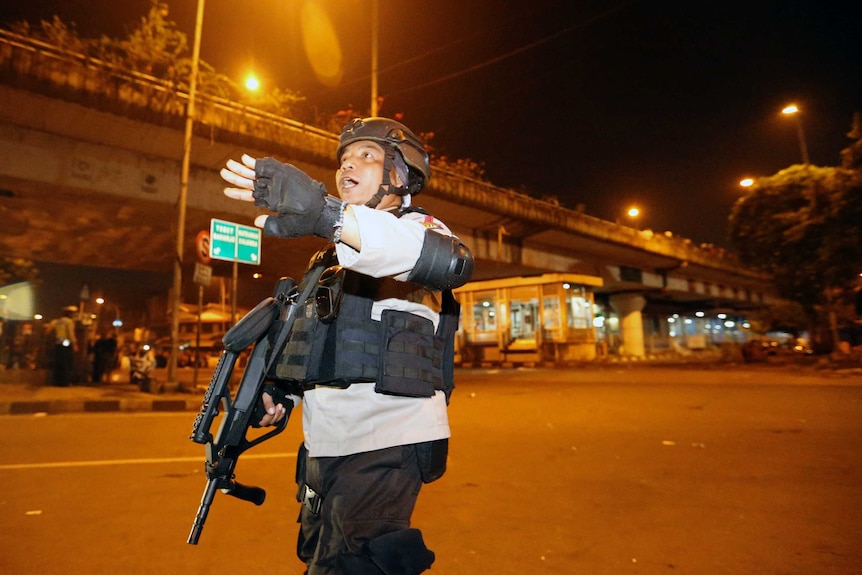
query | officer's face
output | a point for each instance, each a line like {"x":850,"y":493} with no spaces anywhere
{"x":361,"y":173}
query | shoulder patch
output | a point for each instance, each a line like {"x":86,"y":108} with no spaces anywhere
{"x":431,"y":223}
{"x":427,"y":221}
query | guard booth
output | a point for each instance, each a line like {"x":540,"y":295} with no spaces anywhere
{"x":527,"y":319}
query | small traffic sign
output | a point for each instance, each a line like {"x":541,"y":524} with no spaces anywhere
{"x":203,"y":274}
{"x":234,"y":242}
{"x":202,"y":247}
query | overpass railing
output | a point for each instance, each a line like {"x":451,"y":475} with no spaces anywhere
{"x":35,"y":65}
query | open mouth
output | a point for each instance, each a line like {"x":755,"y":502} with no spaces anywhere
{"x":347,"y":183}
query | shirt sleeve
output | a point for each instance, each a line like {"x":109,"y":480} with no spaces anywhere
{"x":390,"y":245}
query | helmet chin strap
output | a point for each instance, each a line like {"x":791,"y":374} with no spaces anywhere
{"x":387,"y":187}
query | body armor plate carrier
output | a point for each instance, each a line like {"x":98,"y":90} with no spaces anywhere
{"x":335,"y":342}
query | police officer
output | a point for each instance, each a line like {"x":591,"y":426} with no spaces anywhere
{"x":373,"y":353}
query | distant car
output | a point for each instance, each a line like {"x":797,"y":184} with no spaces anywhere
{"x":799,"y":345}
{"x":760,"y":348}
{"x":207,"y":356}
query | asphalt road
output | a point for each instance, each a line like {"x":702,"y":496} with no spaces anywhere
{"x":599,"y":471}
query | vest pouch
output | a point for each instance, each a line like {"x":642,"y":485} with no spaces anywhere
{"x":300,"y":359}
{"x":410,"y":359}
{"x":353,"y":344}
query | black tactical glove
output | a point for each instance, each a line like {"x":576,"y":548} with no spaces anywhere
{"x":297,"y":225}
{"x":302,"y":204}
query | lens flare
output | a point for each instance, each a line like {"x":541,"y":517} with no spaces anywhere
{"x":321,"y":44}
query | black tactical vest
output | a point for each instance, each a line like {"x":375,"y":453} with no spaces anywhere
{"x":335,"y":342}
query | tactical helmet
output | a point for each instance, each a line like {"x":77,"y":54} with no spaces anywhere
{"x":391,"y":135}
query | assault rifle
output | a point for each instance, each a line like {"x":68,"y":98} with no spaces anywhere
{"x":267,"y":327}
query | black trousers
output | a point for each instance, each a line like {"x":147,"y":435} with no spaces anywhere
{"x":363,"y":524}
{"x":64,"y":356}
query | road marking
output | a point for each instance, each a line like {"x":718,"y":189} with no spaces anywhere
{"x":104,"y":462}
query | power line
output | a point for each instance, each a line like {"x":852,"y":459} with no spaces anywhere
{"x":502,"y":57}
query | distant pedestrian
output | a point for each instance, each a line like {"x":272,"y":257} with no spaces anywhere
{"x":32,"y":345}
{"x":22,"y":348}
{"x":65,"y":346}
{"x":4,"y":333}
{"x":104,"y":353}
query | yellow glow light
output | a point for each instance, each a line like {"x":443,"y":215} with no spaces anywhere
{"x":321,"y":44}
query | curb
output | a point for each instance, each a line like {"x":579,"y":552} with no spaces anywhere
{"x":52,"y":407}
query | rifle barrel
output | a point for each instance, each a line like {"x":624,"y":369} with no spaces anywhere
{"x":203,"y":511}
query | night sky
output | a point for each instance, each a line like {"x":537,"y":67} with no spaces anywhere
{"x":667,"y":103}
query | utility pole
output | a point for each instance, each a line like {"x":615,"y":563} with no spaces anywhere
{"x":793,"y":110}
{"x":176,"y":295}
{"x":374,"y":34}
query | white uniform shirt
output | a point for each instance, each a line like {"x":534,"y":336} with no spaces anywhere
{"x":339,"y":422}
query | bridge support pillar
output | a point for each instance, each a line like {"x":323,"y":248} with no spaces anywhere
{"x":629,"y":307}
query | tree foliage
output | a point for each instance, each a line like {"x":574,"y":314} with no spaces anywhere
{"x":56,"y":32}
{"x":156,"y":47}
{"x":851,"y":157}
{"x":803,"y":226}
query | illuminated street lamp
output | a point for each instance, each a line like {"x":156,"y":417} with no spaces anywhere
{"x":746,"y":182}
{"x":793,"y":110}
{"x":252,"y":83}
{"x":633,"y":213}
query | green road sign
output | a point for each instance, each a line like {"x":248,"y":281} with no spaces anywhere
{"x":234,"y":242}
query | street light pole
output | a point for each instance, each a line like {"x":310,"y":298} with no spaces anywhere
{"x":374,"y":26}
{"x":176,"y":296}
{"x":116,"y":323}
{"x":793,"y":110}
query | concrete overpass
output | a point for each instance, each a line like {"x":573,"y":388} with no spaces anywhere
{"x":90,"y":167}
